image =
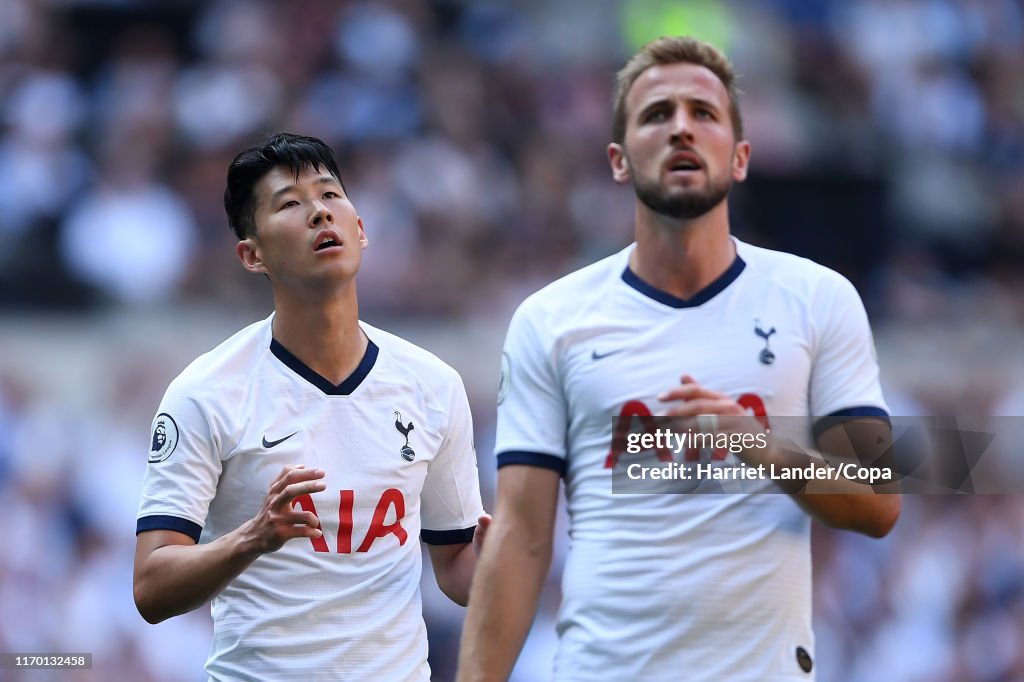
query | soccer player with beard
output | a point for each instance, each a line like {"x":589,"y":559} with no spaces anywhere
{"x":670,"y":587}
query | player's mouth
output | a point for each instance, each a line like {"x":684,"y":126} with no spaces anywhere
{"x":328,"y":240}
{"x":684,"y":163}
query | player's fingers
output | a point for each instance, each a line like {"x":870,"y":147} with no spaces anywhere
{"x":298,"y":518}
{"x":689,"y":392}
{"x":687,"y":379}
{"x":300,"y":475}
{"x":482,"y":524}
{"x":288,"y":469}
{"x":691,"y":408}
{"x":303,"y":487}
{"x":294,"y":490}
{"x":279,"y":483}
{"x":302,"y":531}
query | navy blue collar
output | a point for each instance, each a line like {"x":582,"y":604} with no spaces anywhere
{"x":700,"y":298}
{"x":345,"y":387}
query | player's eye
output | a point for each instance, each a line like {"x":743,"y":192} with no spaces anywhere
{"x":703,"y":113}
{"x":331,"y":195}
{"x":655,"y":116}
{"x":288,"y":204}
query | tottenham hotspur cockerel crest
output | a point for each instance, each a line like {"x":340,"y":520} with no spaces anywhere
{"x":408,"y":454}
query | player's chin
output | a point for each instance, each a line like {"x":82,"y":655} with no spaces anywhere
{"x":683,"y":191}
{"x":341,"y":267}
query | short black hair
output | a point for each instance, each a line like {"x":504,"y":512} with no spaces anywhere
{"x":248,"y":168}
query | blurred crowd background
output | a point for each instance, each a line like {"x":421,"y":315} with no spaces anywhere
{"x":888,"y":140}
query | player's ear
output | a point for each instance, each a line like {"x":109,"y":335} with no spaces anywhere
{"x":363,"y":241}
{"x":740,"y":161}
{"x":249,"y":253}
{"x":619,"y":162}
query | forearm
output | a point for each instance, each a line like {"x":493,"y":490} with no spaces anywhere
{"x":456,"y":576}
{"x":503,"y":602}
{"x":174,"y":579}
{"x":864,"y":512}
{"x":838,"y":502}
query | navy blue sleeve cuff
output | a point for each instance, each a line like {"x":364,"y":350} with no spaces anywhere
{"x":535,"y":459}
{"x":161,"y":522}
{"x":459,"y":536}
{"x":840,"y":416}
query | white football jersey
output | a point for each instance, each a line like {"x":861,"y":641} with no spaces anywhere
{"x":396,"y":442}
{"x":681,"y":586}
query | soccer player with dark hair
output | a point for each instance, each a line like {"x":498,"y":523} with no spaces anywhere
{"x":294,"y":467}
{"x":673,"y":586}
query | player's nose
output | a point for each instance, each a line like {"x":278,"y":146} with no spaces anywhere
{"x":321,"y":214}
{"x":681,"y":128}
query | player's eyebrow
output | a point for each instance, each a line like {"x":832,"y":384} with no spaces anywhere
{"x":661,"y":102}
{"x":700,"y":102}
{"x":326,"y":179}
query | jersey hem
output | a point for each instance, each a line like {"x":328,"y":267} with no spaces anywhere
{"x":536,"y":459}
{"x":167,"y":522}
{"x":839,"y":416}
{"x":459,"y":536}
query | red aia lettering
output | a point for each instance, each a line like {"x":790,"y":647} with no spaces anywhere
{"x":392,"y":497}
{"x":306,"y":502}
{"x":348,"y":500}
{"x":753,"y":402}
{"x":634,"y":408}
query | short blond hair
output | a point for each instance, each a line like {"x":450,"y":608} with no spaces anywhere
{"x":674,"y":50}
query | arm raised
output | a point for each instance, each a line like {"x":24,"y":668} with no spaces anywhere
{"x":174,"y":575}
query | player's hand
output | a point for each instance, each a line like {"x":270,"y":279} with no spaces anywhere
{"x":693,"y":399}
{"x":277,"y":522}
{"x":700,"y":409}
{"x":482,"y":524}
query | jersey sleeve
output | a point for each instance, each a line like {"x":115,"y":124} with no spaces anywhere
{"x":450,"y":502}
{"x":845,"y":375}
{"x":532,"y":413}
{"x":182,"y":470}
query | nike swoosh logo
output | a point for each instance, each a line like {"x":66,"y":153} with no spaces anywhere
{"x":271,"y":443}
{"x":597,"y":356}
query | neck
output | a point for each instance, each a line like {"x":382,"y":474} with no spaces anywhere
{"x":681,"y":257}
{"x":323,"y":333}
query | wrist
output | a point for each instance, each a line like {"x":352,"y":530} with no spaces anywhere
{"x":245,"y":543}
